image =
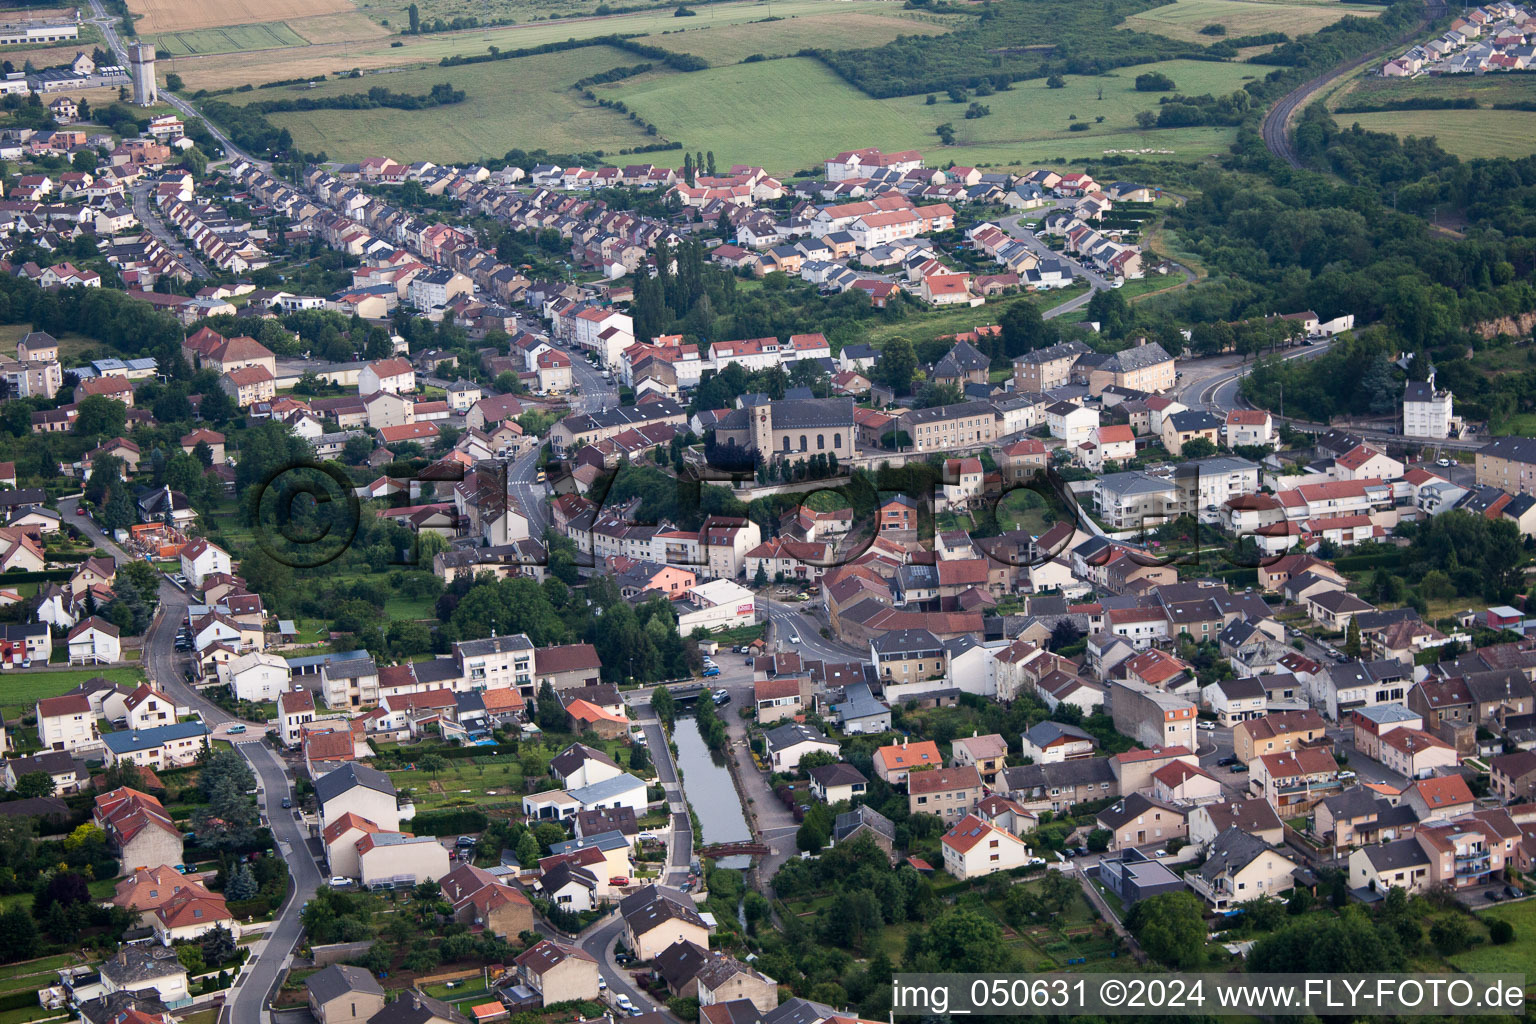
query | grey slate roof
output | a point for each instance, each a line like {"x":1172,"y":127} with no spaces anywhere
{"x":1232,"y":851}
{"x":791,"y":733}
{"x":1398,"y":854}
{"x":812,"y":413}
{"x":1136,"y":358}
{"x":339,"y":979}
{"x":862,"y":816}
{"x":1042,"y":734}
{"x":350,"y":776}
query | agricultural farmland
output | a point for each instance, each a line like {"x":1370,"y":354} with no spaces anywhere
{"x":1467,"y":133}
{"x":814,"y":112}
{"x":525,"y":103}
{"x":233,"y":39}
{"x":1184,"y":19}
{"x":837,"y":30}
{"x":153,"y":17}
{"x":346,"y":41}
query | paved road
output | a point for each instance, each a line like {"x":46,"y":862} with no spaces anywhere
{"x":245,"y":1004}
{"x":108,"y":26}
{"x":1277,"y":123}
{"x":261,"y":975}
{"x":1096,"y":281}
{"x":1217,"y":392}
{"x":522,"y":476}
{"x":793,"y":619}
{"x":149,"y":217}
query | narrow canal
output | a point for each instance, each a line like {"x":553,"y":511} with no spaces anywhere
{"x":709,"y":789}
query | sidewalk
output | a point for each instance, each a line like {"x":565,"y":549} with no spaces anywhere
{"x":772,"y":823}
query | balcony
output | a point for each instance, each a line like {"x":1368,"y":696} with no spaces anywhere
{"x":1320,"y":786}
{"x":1217,"y":895}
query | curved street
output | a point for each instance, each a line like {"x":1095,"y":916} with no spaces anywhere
{"x":247,"y":1000}
{"x":1276,"y":128}
{"x":1216,"y":391}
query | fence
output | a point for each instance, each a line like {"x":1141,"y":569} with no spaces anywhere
{"x":336,"y":952}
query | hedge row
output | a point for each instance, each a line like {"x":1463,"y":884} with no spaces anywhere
{"x":441,"y":823}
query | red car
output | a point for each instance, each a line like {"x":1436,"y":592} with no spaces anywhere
{"x":79,"y":510}
{"x":618,"y":880}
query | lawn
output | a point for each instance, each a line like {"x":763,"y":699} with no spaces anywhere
{"x":1521,"y":425}
{"x":526,"y":102}
{"x":1185,"y":18}
{"x":962,"y":318}
{"x":269,"y":35}
{"x":814,"y":113}
{"x":462,"y":780}
{"x":1024,"y":509}
{"x":1466,"y":133}
{"x":1519,"y":956}
{"x":71,"y":346}
{"x":22,"y":689}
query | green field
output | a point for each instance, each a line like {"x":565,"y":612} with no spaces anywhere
{"x":1519,"y":956}
{"x":525,"y":103}
{"x":1486,"y":89}
{"x":231,"y":39}
{"x":1466,"y":133}
{"x":790,"y":114}
{"x":1185,"y":18}
{"x":20,"y":688}
{"x":838,"y":30}
{"x":956,"y":319}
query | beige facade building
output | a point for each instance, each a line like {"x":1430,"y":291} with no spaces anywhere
{"x":1046,"y":368}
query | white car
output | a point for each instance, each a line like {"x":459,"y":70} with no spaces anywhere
{"x":622,"y":1002}
{"x":339,"y":882}
{"x":1346,"y":775}
{"x":602,"y":983}
{"x":1206,"y":727}
{"x":794,"y":638}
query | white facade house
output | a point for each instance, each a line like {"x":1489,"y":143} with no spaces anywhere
{"x":202,"y":558}
{"x":256,"y":676}
{"x":975,"y":848}
{"x":1427,"y":412}
{"x":1073,"y":424}
{"x":94,"y":642}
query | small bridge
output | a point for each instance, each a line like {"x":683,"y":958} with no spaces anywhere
{"x":733,"y":850}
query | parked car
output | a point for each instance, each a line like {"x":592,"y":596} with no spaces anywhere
{"x":622,"y":1002}
{"x":1206,"y":726}
{"x":711,"y":670}
{"x":1225,"y":761}
{"x":463,"y":841}
{"x":236,"y":730}
{"x":287,"y":801}
{"x":721,"y":697}
{"x":339,"y":882}
{"x":1512,"y":893}
{"x":1346,"y":775}
{"x":1239,"y":768}
{"x":1491,"y":896}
